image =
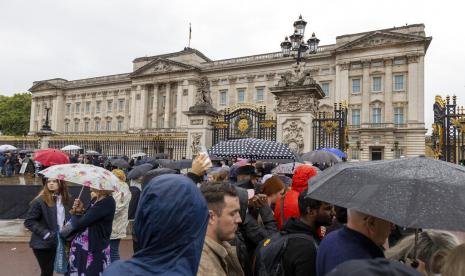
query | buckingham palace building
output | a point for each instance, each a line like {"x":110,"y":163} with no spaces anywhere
{"x":377,"y":76}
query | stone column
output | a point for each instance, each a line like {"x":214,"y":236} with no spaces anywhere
{"x":413,"y":100}
{"x":166,"y":123}
{"x":178,"y":103}
{"x":388,"y":108}
{"x":132,"y":122}
{"x":251,"y":91}
{"x":143,"y":104}
{"x":33,"y":116}
{"x":296,"y":107}
{"x":366,"y":91}
{"x":421,"y":91}
{"x":57,"y":113}
{"x":342,"y":83}
{"x":200,"y":130}
{"x":155,"y":106}
{"x":232,"y":92}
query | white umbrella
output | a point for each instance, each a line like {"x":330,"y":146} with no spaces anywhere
{"x":71,"y":147}
{"x":140,"y":154}
{"x":7,"y":147}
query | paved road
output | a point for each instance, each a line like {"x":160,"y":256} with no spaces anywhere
{"x":17,"y":259}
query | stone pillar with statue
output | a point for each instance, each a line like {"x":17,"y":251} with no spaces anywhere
{"x":297,"y":99}
{"x":200,"y":116}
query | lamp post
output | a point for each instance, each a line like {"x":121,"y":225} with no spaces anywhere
{"x":297,"y":46}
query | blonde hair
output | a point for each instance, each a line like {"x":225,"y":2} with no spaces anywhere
{"x":454,"y":263}
{"x":432,"y":246}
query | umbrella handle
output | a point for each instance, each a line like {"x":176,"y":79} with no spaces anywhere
{"x":80,"y":193}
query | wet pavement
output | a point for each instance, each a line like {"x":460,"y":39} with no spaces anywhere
{"x":16,"y":258}
{"x":20,"y":180}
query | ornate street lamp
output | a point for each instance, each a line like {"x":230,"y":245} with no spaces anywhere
{"x":296,"y":46}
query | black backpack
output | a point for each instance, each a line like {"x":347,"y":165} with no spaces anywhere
{"x":268,"y":259}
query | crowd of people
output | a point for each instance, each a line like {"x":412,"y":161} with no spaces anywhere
{"x":235,"y":218}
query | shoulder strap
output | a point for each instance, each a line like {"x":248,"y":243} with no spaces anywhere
{"x":305,"y":237}
{"x":281,"y":209}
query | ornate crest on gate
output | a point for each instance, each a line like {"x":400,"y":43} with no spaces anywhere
{"x":243,"y":124}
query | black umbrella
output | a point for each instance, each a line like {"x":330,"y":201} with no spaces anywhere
{"x":161,"y":156}
{"x":411,"y":192}
{"x":120,"y":163}
{"x":320,"y":156}
{"x":150,"y":160}
{"x":252,"y":148}
{"x":154,"y":173}
{"x":139,"y":171}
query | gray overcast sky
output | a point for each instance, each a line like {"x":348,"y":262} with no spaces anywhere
{"x":73,"y":39}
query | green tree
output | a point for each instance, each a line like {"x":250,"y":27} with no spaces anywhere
{"x":15,"y":114}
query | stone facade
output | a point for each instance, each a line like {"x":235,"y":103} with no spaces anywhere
{"x":378,"y":74}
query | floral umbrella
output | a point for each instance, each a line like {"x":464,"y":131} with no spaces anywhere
{"x":84,"y":174}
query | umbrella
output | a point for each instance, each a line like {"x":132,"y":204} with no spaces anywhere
{"x":51,"y":157}
{"x":71,"y":147}
{"x":84,"y":174}
{"x":140,"y":154}
{"x":412,"y":192}
{"x":252,"y":148}
{"x":320,"y":156}
{"x":139,"y":171}
{"x":154,"y":173}
{"x":7,"y":148}
{"x":180,"y":164}
{"x":150,"y":160}
{"x":287,"y":168}
{"x":92,"y":152}
{"x":120,"y":163}
{"x":161,"y":156}
{"x":26,"y":151}
{"x":336,"y":152}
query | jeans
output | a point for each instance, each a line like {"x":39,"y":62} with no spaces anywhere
{"x":46,"y":259}
{"x":114,"y":250}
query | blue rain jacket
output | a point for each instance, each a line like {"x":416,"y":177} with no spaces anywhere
{"x":170,"y":225}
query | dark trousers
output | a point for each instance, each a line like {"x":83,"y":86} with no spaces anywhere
{"x":114,"y":250}
{"x":45,"y":258}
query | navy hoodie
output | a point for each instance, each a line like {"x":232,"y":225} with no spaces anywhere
{"x":170,"y":226}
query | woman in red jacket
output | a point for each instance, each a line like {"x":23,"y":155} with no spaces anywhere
{"x":290,"y":208}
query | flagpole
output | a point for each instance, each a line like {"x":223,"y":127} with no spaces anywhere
{"x":190,"y":35}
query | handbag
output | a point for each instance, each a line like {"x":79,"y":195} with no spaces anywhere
{"x":60,"y":265}
{"x":67,"y":232}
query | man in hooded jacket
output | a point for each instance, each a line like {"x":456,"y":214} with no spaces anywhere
{"x":170,"y":244}
{"x":290,"y":208}
{"x":250,"y":232}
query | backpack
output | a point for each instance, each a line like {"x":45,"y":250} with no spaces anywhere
{"x":268,"y":259}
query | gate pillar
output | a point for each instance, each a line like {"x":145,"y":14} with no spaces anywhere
{"x":200,"y":130}
{"x":297,"y":99}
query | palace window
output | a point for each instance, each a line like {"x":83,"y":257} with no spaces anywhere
{"x":356,"y":117}
{"x":399,"y":82}
{"x":108,"y":125}
{"x":97,"y":125}
{"x":376,"y":84}
{"x":68,"y":109}
{"x":120,"y":125}
{"x":66,"y":127}
{"x":356,"y":86}
{"x":223,"y":97}
{"x":398,"y":116}
{"x":376,"y":115}
{"x":325,"y":88}
{"x":121,"y":104}
{"x":97,"y":106}
{"x":260,"y":95}
{"x":78,"y":108}
{"x":86,"y":126}
{"x":109,"y":105}
{"x":241,"y":95}
{"x":87,"y":107}
{"x":76,"y":126}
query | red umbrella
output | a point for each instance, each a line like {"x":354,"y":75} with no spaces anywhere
{"x":50,"y":157}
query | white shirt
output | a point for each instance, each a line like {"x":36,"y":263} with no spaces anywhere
{"x":60,"y":213}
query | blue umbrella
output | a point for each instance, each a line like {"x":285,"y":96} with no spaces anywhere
{"x":337,"y":152}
